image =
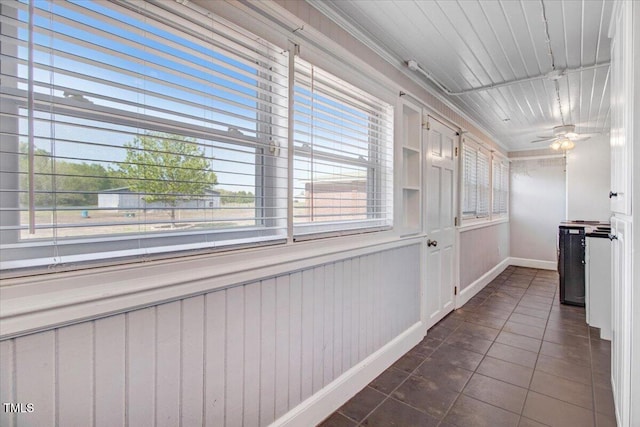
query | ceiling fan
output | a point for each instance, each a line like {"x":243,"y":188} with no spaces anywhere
{"x":564,"y":137}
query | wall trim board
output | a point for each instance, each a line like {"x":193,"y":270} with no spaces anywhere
{"x":470,"y":291}
{"x":326,"y":401}
{"x":533,"y":263}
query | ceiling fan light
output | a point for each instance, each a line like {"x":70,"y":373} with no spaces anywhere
{"x":567,"y":144}
{"x":555,"y":145}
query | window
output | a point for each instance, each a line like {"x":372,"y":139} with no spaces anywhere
{"x":135,"y":128}
{"x":475,"y":180}
{"x":500,"y":167}
{"x":343,"y":160}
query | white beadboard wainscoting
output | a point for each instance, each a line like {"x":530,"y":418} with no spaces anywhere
{"x":484,"y":253}
{"x":242,"y":355}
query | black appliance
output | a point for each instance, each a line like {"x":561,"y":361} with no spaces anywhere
{"x":571,"y":265}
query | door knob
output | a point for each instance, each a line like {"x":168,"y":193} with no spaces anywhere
{"x":432,"y":242}
{"x":612,"y":194}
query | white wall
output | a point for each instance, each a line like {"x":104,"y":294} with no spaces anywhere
{"x":588,"y":180}
{"x":537,"y":206}
{"x":481,"y":250}
{"x":244,"y":355}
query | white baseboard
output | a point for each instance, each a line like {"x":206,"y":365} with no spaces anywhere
{"x":317,"y":407}
{"x":533,"y":263}
{"x":467,"y":293}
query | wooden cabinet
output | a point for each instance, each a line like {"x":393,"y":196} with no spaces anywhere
{"x":598,"y":284}
{"x":622,"y":318}
{"x":621,"y":117}
{"x":625,"y":179}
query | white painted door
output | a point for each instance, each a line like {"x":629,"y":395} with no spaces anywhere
{"x":622,"y":321}
{"x":441,"y":144}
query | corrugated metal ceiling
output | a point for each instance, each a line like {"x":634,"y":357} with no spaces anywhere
{"x":468,"y":44}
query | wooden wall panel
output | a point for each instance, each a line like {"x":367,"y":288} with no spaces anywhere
{"x":308,"y":307}
{"x":75,"y":375}
{"x":141,"y":367}
{"x":192,"y":362}
{"x":110,"y":371}
{"x":215,"y":360}
{"x":7,"y":389}
{"x":167,"y":359}
{"x":234,"y":381}
{"x":252,"y":302}
{"x":295,"y":340}
{"x":36,"y":378}
{"x":268,"y":352}
{"x":338,"y":285}
{"x":282,"y":345}
{"x":241,"y":356}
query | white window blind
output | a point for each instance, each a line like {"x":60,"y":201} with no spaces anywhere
{"x":132,"y":128}
{"x":500,"y":168}
{"x":343,"y":177}
{"x":469,"y":180}
{"x":475,"y":180}
{"x":483,"y":184}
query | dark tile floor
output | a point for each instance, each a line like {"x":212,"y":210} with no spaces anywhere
{"x":512,"y":356}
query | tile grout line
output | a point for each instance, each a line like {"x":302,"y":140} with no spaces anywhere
{"x":538,"y":356}
{"x":388,"y":396}
{"x":494,"y":341}
{"x":485,"y":354}
{"x":413,"y":372}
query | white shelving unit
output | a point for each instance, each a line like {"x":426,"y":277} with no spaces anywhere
{"x":411,"y":169}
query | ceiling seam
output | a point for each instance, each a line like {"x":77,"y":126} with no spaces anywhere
{"x":595,"y":72}
{"x":482,"y":67}
{"x":459,"y":56}
{"x":553,"y":62}
{"x":566,"y":61}
{"x":581,"y":62}
{"x":469,"y":103}
{"x":544,"y":87}
{"x":504,"y":98}
{"x":446,"y":90}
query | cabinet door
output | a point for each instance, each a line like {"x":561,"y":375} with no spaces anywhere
{"x":621,"y":322}
{"x":621,"y":85}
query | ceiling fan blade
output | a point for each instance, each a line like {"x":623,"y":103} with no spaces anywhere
{"x":591,"y":130}
{"x":551,"y":138}
{"x":581,"y":137}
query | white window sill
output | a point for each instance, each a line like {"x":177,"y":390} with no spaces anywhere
{"x":468,"y":225}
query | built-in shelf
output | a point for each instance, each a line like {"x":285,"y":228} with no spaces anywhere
{"x":411,"y":168}
{"x":408,"y":149}
{"x":411,"y":209}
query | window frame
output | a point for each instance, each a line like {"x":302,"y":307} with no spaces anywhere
{"x":361,"y":76}
{"x":375,"y":179}
{"x":481,"y":185}
{"x":473,"y":220}
{"x":501,"y":163}
{"x":34,"y":256}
